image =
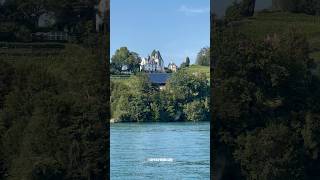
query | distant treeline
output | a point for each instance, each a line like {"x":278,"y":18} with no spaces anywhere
{"x":53,"y":116}
{"x":185,"y":98}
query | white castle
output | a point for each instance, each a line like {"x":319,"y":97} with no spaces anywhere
{"x":153,"y":63}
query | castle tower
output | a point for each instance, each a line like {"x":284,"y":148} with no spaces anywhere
{"x":153,"y":63}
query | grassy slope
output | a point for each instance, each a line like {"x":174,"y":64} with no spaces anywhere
{"x":197,"y":68}
{"x":264,"y":23}
{"x":124,"y":81}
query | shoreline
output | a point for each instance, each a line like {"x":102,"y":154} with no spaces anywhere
{"x":113,"y":121}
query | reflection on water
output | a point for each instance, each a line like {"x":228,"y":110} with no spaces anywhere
{"x":160,"y":151}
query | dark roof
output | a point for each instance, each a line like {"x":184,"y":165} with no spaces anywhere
{"x":158,"y":78}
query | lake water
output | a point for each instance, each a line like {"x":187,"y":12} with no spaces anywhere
{"x":160,"y":151}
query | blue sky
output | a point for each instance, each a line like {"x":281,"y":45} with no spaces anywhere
{"x":177,"y":28}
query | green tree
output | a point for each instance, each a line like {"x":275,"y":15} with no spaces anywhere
{"x":271,"y":153}
{"x":233,"y":12}
{"x":196,"y":111}
{"x":139,"y":106}
{"x":136,"y":99}
{"x":140,"y":109}
{"x":203,"y":57}
{"x":183,"y":88}
{"x":54,"y":118}
{"x":239,"y":10}
{"x":123,"y":57}
{"x":258,"y":83}
{"x":132,"y":101}
{"x":187,"y":61}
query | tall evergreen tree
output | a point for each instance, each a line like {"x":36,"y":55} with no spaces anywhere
{"x":187,"y":61}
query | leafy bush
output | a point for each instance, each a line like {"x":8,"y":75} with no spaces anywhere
{"x":196,"y":111}
{"x":233,"y":12}
{"x":271,"y":153}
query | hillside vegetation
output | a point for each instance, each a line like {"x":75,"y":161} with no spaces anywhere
{"x":53,"y":112}
{"x":263,"y":23}
{"x":266,"y":97}
{"x":185,"y":98}
{"x":198,"y":69}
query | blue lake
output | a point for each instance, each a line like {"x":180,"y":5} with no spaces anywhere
{"x":160,"y":151}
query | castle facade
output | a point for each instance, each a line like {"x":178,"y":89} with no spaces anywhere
{"x":153,"y":63}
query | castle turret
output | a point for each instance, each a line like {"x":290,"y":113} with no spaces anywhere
{"x":154,"y":62}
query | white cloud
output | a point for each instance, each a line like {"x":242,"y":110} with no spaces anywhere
{"x":189,"y":10}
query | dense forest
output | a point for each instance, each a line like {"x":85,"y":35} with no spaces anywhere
{"x":53,"y":113}
{"x":266,"y":91}
{"x":185,"y":98}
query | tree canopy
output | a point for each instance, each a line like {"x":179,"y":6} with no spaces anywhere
{"x":185,"y":98}
{"x":186,"y":63}
{"x":53,"y":116}
{"x":203,"y":57}
{"x":238,"y":10}
{"x":266,"y":91}
{"x":124,"y":57}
